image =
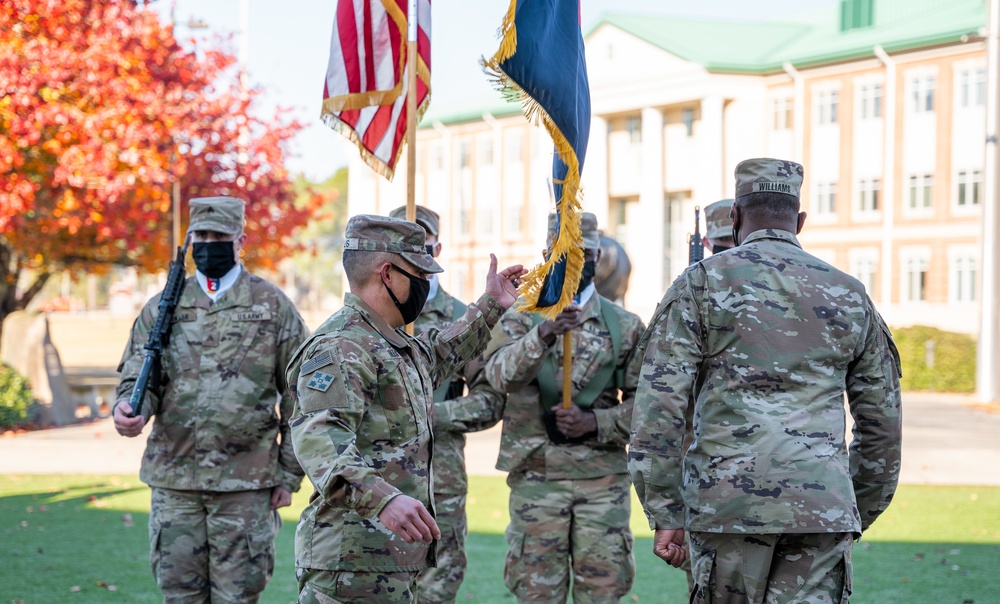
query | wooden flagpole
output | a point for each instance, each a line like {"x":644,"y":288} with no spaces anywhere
{"x":567,"y":388}
{"x":567,"y":384}
{"x":411,"y":118}
{"x":411,"y":113}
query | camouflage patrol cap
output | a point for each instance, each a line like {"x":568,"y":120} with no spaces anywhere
{"x":370,"y":233}
{"x":217,"y":214}
{"x":588,"y":228}
{"x":766,"y":175}
{"x":426,"y":218}
{"x":718,"y":222}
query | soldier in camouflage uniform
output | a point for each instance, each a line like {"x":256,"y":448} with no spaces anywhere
{"x":569,"y":499}
{"x":763,"y":341}
{"x":454,"y":414}
{"x":362,"y":427}
{"x":213,"y":459}
{"x":718,"y":226}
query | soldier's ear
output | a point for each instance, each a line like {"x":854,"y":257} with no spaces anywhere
{"x":801,"y":222}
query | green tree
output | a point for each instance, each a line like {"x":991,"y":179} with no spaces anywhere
{"x":318,"y":265}
{"x":15,"y":397}
{"x":936,"y":360}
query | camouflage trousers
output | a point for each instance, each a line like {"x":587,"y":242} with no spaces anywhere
{"x":813,"y":568}
{"x":211,"y":546}
{"x":344,"y":587}
{"x":439,"y":585}
{"x":563,"y":526}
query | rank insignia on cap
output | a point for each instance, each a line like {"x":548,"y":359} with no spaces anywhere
{"x":320,"y":381}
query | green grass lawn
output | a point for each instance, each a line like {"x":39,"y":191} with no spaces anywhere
{"x":84,"y":539}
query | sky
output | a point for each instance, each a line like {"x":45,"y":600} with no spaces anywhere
{"x":289,"y":45}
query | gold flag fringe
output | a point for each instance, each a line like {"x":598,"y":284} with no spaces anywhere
{"x":569,"y":243}
{"x":377,"y":165}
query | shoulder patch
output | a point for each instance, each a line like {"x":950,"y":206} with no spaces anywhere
{"x":321,"y":360}
{"x":320,"y":381}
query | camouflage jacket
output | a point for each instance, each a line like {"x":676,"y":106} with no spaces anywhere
{"x":361,"y":430}
{"x":513,"y":368}
{"x":763,"y":341}
{"x":222,"y":402}
{"x":479,"y":409}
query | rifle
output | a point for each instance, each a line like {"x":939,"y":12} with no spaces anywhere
{"x":696,"y":249}
{"x":160,"y":334}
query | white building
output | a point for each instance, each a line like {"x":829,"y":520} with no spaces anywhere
{"x":881,"y":100}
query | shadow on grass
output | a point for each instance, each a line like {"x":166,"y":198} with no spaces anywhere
{"x":884,"y":573}
{"x":655,"y":582}
{"x":962,"y":573}
{"x":88,"y":541}
{"x":81,"y":542}
{"x":90,"y":532}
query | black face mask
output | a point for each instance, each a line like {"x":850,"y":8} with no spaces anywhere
{"x":213,"y":258}
{"x":419,"y":289}
{"x":587,"y":275}
{"x":720,"y":248}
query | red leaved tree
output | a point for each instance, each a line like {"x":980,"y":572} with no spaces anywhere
{"x":100,"y":109}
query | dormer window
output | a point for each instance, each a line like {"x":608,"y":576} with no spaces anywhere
{"x":856,"y":14}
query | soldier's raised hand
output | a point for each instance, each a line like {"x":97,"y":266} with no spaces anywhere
{"x":502,"y":286}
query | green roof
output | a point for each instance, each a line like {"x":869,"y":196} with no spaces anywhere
{"x":469,"y":112}
{"x":811,"y":39}
{"x":806,"y":40}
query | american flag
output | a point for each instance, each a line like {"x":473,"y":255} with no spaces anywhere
{"x":364,"y":95}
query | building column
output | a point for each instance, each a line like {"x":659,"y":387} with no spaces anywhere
{"x":646,"y":233}
{"x":595,"y":172}
{"x":988,"y":350}
{"x":713,"y":157}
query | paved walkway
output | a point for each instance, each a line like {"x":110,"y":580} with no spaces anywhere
{"x":947,"y":439}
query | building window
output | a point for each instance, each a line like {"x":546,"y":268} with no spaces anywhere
{"x":922,"y":93}
{"x":781,"y":110}
{"x":863,"y":266}
{"x":915,"y":278}
{"x":485,"y":152}
{"x":826,"y":198}
{"x":464,"y":154}
{"x":436,"y":156}
{"x":920,"y":191}
{"x":870,"y":101}
{"x":962,"y":278}
{"x":826,"y":109}
{"x":512,"y":220}
{"x":633,"y":125}
{"x":969,"y":188}
{"x":514,"y":146}
{"x":972,"y":87}
{"x":868,"y":194}
{"x":459,"y":280}
{"x":687,"y":116}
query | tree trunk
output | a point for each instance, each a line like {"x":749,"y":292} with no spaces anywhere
{"x":11,"y":267}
